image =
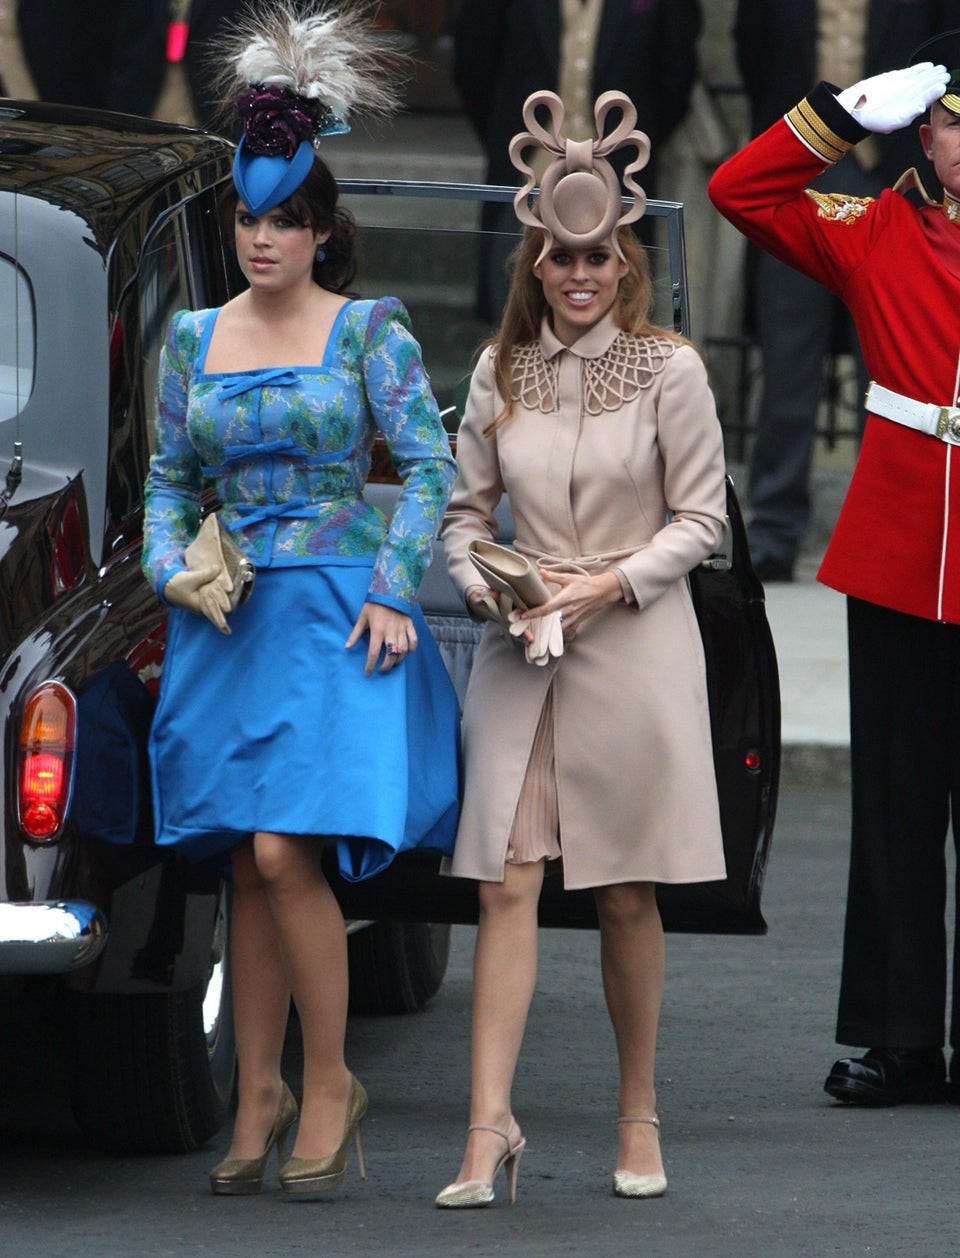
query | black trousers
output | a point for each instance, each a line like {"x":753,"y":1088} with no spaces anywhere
{"x":105,"y":54}
{"x":905,"y":766}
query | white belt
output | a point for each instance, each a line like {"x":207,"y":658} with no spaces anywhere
{"x":942,"y":422}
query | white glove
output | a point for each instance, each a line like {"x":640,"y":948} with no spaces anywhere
{"x":547,"y":636}
{"x":887,"y":102}
{"x":200,"y":591}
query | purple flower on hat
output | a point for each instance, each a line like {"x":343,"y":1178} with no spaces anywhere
{"x":275,"y":120}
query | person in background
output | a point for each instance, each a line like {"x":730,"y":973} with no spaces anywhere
{"x":895,"y":551}
{"x":603,"y":430}
{"x":105,"y":54}
{"x":506,"y":49}
{"x":327,"y":712}
{"x":207,"y":22}
{"x":782,"y":47}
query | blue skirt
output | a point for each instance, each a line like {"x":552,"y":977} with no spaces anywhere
{"x":277,"y":728}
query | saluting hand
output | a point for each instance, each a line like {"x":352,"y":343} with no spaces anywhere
{"x":887,"y":102}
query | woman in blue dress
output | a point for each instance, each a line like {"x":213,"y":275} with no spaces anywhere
{"x":327,"y":711}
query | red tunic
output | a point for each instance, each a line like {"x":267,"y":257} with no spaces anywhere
{"x":897,"y":267}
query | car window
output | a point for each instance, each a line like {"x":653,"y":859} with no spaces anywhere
{"x":17,"y":336}
{"x":182,"y":267}
{"x":164,"y":288}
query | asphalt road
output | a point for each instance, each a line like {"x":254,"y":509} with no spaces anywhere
{"x":759,"y":1161}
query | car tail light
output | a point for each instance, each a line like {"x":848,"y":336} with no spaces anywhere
{"x":69,"y":553}
{"x":47,"y":736}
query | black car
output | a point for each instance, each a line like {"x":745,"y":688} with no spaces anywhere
{"x":109,"y":224}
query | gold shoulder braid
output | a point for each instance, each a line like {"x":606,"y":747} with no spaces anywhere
{"x":629,"y":365}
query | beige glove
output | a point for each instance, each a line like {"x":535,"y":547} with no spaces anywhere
{"x":485,"y":605}
{"x":547,"y":636}
{"x":202,"y":592}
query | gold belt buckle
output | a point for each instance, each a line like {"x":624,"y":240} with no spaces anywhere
{"x":946,"y":424}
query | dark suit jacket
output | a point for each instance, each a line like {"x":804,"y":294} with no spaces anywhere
{"x":776,"y":52}
{"x":506,"y":49}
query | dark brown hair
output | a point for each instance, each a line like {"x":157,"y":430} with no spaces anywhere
{"x":315,"y":204}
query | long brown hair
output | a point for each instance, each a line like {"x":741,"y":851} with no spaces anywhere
{"x":526,"y":306}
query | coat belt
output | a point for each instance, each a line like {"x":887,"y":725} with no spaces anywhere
{"x":942,"y":422}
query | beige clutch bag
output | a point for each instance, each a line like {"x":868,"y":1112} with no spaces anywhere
{"x":509,"y":572}
{"x":214,"y":547}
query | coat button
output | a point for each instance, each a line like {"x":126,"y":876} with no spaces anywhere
{"x":955,"y":427}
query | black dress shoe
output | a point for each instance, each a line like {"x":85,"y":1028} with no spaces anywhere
{"x":889,"y":1076}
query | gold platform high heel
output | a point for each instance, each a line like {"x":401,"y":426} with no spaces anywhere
{"x":479,"y":1192}
{"x":626,"y":1184}
{"x":242,"y":1177}
{"x":302,"y":1176}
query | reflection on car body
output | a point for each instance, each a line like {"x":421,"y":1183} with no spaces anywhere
{"x":107,"y":226}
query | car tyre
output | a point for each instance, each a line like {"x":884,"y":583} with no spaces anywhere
{"x":395,"y":967}
{"x":155,"y":1073}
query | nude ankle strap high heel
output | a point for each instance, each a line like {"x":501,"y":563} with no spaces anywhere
{"x":627,"y":1184}
{"x":479,"y":1192}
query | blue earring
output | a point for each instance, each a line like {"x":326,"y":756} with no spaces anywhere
{"x":321,"y":253}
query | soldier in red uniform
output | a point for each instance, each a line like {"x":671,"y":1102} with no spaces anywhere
{"x":895,"y":552}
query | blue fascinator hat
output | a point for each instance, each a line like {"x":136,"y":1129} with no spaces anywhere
{"x":295,"y":73}
{"x":275,"y":152}
{"x":264,"y":182}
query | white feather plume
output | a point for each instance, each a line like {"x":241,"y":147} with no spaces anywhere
{"x":332,"y":54}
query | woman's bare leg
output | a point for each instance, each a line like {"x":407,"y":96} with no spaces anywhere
{"x":313,"y":945}
{"x":632,"y":963}
{"x":504,"y":977}
{"x":261,"y":1005}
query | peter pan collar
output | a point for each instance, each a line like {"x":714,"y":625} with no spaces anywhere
{"x":593,"y":344}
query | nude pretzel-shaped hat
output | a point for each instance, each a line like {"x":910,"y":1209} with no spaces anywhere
{"x":580,"y":199}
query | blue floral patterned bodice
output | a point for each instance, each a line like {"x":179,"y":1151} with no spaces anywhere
{"x":287,"y":451}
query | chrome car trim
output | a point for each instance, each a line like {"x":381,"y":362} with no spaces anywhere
{"x":51,"y":937}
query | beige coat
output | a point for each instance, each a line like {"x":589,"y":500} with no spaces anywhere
{"x":605,"y":439}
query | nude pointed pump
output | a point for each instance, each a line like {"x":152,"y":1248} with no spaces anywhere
{"x":308,"y":1176}
{"x":243,"y":1177}
{"x":479,"y":1192}
{"x":626,"y":1184}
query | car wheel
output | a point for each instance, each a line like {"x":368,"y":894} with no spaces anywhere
{"x":154,"y":1073}
{"x":395,"y":967}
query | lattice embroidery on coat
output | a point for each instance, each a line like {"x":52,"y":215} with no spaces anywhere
{"x":618,"y":375}
{"x":840,"y":206}
{"x":535,"y":382}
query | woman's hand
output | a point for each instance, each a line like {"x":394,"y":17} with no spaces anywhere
{"x":578,"y":598}
{"x":486,"y":604}
{"x":390,"y":631}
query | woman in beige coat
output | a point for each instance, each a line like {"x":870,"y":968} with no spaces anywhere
{"x":602,"y":430}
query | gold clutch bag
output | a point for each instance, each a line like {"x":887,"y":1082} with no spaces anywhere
{"x":214,"y":547}
{"x":509,"y":572}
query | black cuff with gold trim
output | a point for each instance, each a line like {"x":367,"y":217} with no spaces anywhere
{"x":824,"y":125}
